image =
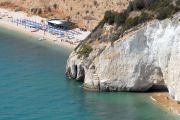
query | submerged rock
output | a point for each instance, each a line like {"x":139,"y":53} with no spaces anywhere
{"x":135,"y":62}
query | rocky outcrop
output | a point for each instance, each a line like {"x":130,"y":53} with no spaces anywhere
{"x":135,"y":62}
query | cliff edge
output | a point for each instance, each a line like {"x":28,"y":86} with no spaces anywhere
{"x":140,"y":58}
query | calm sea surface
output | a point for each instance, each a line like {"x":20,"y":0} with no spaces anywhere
{"x":33,"y":86}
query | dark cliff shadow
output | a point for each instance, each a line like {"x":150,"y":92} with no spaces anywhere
{"x":158,"y":88}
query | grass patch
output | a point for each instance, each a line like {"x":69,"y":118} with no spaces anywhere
{"x":85,"y":50}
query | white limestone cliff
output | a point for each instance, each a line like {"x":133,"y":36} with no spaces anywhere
{"x":148,"y":57}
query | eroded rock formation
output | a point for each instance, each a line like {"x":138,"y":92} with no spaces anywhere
{"x":135,"y":62}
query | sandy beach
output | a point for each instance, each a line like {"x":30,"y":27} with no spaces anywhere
{"x":163,"y":99}
{"x":5,"y":22}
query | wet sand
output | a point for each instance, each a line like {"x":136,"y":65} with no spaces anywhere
{"x":163,"y":99}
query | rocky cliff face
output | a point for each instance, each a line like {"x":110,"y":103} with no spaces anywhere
{"x":135,"y":62}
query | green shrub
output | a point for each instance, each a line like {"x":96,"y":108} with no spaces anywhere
{"x":144,"y":17}
{"x":17,"y":9}
{"x":85,"y":50}
{"x":177,"y":7}
{"x":49,"y":9}
{"x":178,"y":3}
{"x":113,"y":37}
{"x":109,"y":17}
{"x":148,"y":3}
{"x":165,"y":13}
{"x":130,"y":7}
{"x":39,"y":11}
{"x":131,"y":22}
{"x":159,"y":4}
{"x":34,"y":10}
{"x":120,"y":18}
{"x":138,"y":4}
{"x":55,"y":6}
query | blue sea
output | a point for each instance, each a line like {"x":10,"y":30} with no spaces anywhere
{"x":33,"y":86}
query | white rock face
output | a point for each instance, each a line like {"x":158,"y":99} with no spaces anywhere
{"x":151,"y":55}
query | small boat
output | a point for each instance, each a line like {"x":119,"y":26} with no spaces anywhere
{"x":71,"y":37}
{"x":55,"y":40}
{"x":9,"y":16}
{"x":35,"y":30}
{"x":59,"y":36}
{"x":41,"y":39}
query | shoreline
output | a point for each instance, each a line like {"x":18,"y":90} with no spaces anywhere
{"x":163,"y":99}
{"x":5,"y":22}
{"x":36,"y":35}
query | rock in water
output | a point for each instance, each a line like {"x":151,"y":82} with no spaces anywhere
{"x":135,"y":62}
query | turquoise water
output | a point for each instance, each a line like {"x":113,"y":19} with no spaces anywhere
{"x":33,"y":86}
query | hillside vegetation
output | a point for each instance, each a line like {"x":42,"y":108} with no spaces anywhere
{"x":86,"y":13}
{"x":137,"y":12}
{"x":146,"y":10}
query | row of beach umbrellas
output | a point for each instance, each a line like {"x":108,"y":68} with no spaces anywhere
{"x":61,"y":33}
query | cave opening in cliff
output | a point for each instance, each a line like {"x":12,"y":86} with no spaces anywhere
{"x":158,"y":88}
{"x":82,"y":77}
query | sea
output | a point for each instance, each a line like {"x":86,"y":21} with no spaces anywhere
{"x":33,"y":86}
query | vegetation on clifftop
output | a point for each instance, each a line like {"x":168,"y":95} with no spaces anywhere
{"x":149,"y":9}
{"x":85,"y":50}
{"x":138,"y":12}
